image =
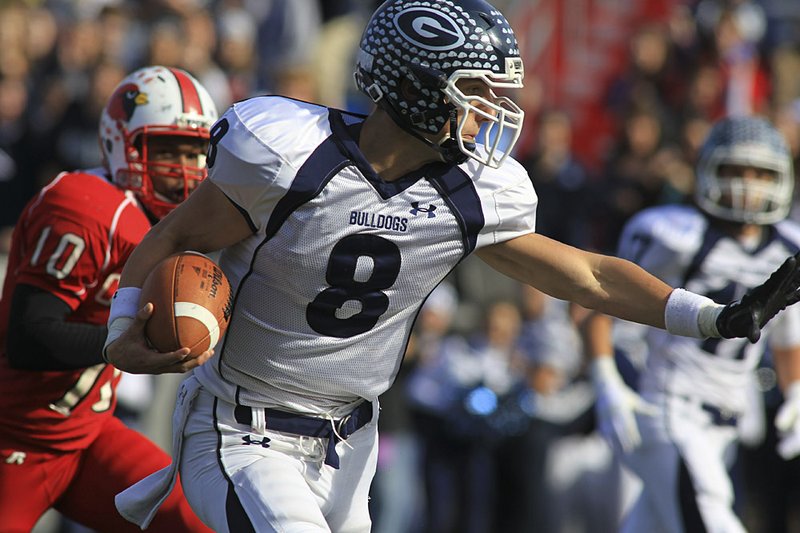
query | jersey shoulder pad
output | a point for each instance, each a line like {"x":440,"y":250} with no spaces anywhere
{"x":675,"y":227}
{"x":510,"y":175}
{"x":790,"y":231}
{"x":86,"y":193}
{"x":288,"y":128}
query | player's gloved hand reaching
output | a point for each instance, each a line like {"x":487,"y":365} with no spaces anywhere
{"x":746,"y":317}
{"x":787,"y":422}
{"x":617,"y":405}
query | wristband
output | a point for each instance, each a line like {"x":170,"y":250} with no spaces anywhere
{"x":124,"y":303}
{"x":603,"y":368}
{"x":691,"y":315}
{"x":792,"y":391}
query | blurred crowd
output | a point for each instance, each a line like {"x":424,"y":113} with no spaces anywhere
{"x":489,"y":426}
{"x":60,"y":60}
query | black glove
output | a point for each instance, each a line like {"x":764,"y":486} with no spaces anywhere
{"x":746,"y":317}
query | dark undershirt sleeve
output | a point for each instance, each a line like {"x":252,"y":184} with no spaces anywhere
{"x":41,"y":338}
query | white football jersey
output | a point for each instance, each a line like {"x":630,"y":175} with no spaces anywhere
{"x":677,"y":244}
{"x":340,"y":261}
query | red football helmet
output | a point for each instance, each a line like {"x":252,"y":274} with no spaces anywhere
{"x":154,"y":101}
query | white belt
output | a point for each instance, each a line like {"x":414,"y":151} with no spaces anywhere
{"x":139,"y":503}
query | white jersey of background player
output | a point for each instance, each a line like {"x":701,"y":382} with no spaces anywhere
{"x":335,"y":229}
{"x":697,"y":389}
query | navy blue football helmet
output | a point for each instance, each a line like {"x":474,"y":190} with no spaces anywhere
{"x":413,"y":52}
{"x":745,"y":141}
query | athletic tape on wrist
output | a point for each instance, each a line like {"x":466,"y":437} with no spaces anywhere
{"x":117,"y":327}
{"x":691,"y":315}
{"x":125,"y":303}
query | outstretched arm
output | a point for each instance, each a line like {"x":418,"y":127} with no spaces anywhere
{"x":620,"y":288}
{"x":608,"y":284}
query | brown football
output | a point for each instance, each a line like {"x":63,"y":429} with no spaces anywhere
{"x":192,"y":303}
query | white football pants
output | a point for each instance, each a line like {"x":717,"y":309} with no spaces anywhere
{"x":683,"y":463}
{"x":237,"y":480}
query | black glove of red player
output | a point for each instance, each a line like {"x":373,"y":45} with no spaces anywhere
{"x":746,"y":317}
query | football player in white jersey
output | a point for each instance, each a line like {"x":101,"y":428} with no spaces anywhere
{"x":334,"y":229}
{"x":692,"y":391}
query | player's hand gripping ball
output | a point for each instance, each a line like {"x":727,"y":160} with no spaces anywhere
{"x":192,"y":303}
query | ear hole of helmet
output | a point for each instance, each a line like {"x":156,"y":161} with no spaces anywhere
{"x":428,"y":77}
{"x":408,"y":90}
{"x":136,"y":146}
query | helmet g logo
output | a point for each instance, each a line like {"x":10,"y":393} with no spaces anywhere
{"x":429,"y":29}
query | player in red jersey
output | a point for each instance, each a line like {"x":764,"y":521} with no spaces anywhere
{"x":60,"y":446}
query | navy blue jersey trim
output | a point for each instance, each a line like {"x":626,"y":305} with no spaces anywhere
{"x":711,"y":236}
{"x":690,"y":514}
{"x":458,"y":191}
{"x":347,"y":136}
{"x":244,"y":214}
{"x":235,"y":514}
{"x":323,"y":164}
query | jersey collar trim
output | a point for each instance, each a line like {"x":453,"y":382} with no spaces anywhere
{"x":346,"y":137}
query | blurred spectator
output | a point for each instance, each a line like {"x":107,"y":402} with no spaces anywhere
{"x":469,"y":400}
{"x":199,"y":56}
{"x":635,"y":173}
{"x":397,"y":499}
{"x":787,"y":120}
{"x":237,"y":54}
{"x":561,"y":182}
{"x":782,"y":44}
{"x":122,"y":37}
{"x":165,"y":44}
{"x":650,"y":78}
{"x":17,"y":157}
{"x":561,"y":491}
{"x":74,"y":138}
{"x":735,"y":30}
{"x":336,"y":47}
{"x":287,"y":38}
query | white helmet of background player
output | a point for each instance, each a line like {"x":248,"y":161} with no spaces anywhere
{"x":745,"y":141}
{"x":149,"y":102}
{"x":413,"y":52}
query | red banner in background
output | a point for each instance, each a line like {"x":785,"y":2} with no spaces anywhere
{"x":572,"y":49}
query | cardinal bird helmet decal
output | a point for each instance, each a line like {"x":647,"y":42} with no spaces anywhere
{"x":149,"y":102}
{"x":123,"y":102}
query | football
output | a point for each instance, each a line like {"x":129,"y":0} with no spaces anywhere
{"x":192,"y":303}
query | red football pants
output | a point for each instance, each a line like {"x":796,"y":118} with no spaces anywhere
{"x":82,"y":484}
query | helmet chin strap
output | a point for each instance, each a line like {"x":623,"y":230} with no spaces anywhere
{"x":449,"y":148}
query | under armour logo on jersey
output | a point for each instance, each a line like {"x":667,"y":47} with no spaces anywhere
{"x":263,"y":442}
{"x":417,"y":209}
{"x":16,"y":458}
